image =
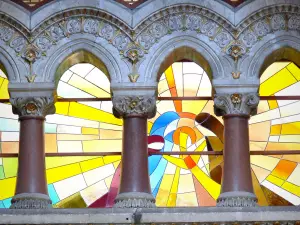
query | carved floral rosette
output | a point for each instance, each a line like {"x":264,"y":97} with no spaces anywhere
{"x":33,"y":106}
{"x":245,"y":104}
{"x":124,"y":106}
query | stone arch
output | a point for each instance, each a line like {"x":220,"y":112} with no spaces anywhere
{"x":80,"y":56}
{"x":188,"y":20}
{"x":180,"y":48}
{"x":80,"y":50}
{"x":185,"y":53}
{"x":152,"y":9}
{"x":282,"y":54}
{"x":9,"y":66}
{"x":112,"y":10}
{"x":280,"y":48}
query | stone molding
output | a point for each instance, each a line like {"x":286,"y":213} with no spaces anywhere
{"x":31,"y":201}
{"x":133,"y":43}
{"x":237,"y":199}
{"x":239,"y":104}
{"x":124,"y":106}
{"x":181,"y":216}
{"x":134,"y":200}
{"x":33,"y":106}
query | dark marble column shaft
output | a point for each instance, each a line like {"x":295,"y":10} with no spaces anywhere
{"x":31,"y":187}
{"x":237,"y":187}
{"x":134,"y":190}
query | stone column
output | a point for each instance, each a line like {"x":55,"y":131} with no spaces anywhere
{"x":31,"y":189}
{"x":237,"y":188}
{"x":134,"y":190}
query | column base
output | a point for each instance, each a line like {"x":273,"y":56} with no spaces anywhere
{"x":31,"y":201}
{"x":134,"y":200}
{"x":237,"y":199}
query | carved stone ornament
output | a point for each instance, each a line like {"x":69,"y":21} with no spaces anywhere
{"x":236,"y":50}
{"x":31,"y":201}
{"x":134,"y":200}
{"x":237,"y":199}
{"x":236,"y":75}
{"x":124,"y":106}
{"x":33,"y":106}
{"x":133,"y":43}
{"x":236,"y":104}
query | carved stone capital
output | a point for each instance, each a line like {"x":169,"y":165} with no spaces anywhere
{"x":33,"y":106}
{"x":31,"y":201}
{"x":236,"y":104}
{"x":134,"y":200}
{"x":124,"y":106}
{"x":237,"y":199}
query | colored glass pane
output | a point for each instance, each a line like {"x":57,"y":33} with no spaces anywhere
{"x":175,"y":180}
{"x":274,"y":128}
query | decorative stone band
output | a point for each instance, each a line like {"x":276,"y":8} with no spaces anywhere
{"x":236,"y":104}
{"x":134,"y":200}
{"x":33,"y":106}
{"x":31,"y":201}
{"x":125,"y":106}
{"x":237,"y":199}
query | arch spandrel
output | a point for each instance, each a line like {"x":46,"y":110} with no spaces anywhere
{"x":284,"y":47}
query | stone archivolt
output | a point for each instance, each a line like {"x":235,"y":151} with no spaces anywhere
{"x":181,"y":18}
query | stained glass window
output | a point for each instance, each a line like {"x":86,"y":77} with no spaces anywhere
{"x":275,"y":128}
{"x":188,"y":180}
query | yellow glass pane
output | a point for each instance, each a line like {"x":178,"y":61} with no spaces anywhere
{"x":277,"y":82}
{"x":194,"y":107}
{"x":91,"y":164}
{"x":276,"y":129}
{"x":87,"y":130}
{"x":62,"y":161}
{"x":62,"y":172}
{"x":8,"y":187}
{"x":111,"y":159}
{"x":89,"y":113}
{"x":295,"y":70}
{"x":4,"y":88}
{"x":275,"y":180}
{"x":88,"y":87}
{"x":62,"y":108}
{"x":291,"y":188}
{"x":273,"y":69}
{"x":210,"y":185}
{"x":164,"y":190}
{"x":273,"y":104}
{"x":291,"y":128}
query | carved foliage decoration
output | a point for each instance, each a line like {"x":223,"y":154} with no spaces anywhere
{"x":134,"y":43}
{"x":33,"y":106}
{"x":267,"y":21}
{"x":134,"y":105}
{"x":183,"y":19}
{"x":13,"y":38}
{"x":236,"y":104}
